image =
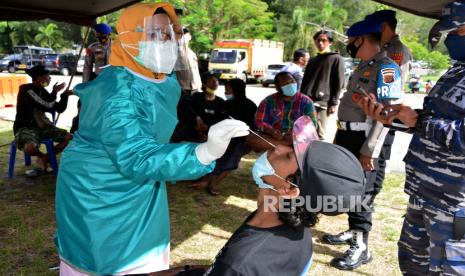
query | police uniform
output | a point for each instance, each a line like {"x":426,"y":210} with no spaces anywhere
{"x":396,"y":51}
{"x":362,"y":135}
{"x":435,"y":182}
{"x":399,"y":53}
{"x":97,"y":56}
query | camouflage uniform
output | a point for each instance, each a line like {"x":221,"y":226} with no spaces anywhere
{"x":97,"y":55}
{"x":362,"y":135}
{"x":435,"y":181}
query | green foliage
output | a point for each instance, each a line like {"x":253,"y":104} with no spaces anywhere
{"x":290,"y":21}
{"x":435,"y":59}
{"x":212,"y":20}
{"x":296,"y":30}
{"x":49,"y":36}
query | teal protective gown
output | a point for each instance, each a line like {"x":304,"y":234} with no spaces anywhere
{"x":111,"y":201}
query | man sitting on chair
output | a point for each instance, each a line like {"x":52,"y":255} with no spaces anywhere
{"x":31,"y":125}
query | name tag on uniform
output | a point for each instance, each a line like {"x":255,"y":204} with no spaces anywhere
{"x":389,"y":82}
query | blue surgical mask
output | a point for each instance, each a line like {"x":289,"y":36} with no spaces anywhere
{"x":455,"y":45}
{"x":229,"y":96}
{"x":289,"y":89}
{"x":262,"y":167}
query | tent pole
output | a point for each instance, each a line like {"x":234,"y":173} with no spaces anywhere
{"x":83,"y":44}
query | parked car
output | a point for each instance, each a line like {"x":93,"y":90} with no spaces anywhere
{"x":27,"y":56}
{"x":9,"y":62}
{"x":80,"y":65}
{"x":348,"y":69}
{"x":271,"y":71}
{"x":60,"y":63}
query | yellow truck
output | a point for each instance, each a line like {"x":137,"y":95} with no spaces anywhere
{"x":244,"y":58}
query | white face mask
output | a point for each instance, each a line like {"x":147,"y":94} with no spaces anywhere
{"x":158,"y":56}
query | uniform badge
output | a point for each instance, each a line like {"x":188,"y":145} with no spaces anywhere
{"x":388,"y":75}
{"x":389,"y":82}
{"x":367,"y":74}
{"x":397,"y":57}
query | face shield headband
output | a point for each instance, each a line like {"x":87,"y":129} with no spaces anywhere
{"x":158,"y":48}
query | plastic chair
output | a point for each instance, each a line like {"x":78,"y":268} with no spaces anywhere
{"x":27,"y":158}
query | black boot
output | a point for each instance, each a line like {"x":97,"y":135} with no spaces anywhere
{"x":341,"y":238}
{"x":356,"y":255}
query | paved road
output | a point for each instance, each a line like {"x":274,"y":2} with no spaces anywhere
{"x":256,"y":93}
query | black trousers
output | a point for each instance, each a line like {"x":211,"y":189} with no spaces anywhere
{"x":384,"y":155}
{"x":353,"y":141}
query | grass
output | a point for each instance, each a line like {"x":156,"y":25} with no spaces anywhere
{"x":200,"y":224}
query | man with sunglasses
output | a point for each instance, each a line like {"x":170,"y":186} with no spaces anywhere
{"x":98,"y":53}
{"x":324,"y":79}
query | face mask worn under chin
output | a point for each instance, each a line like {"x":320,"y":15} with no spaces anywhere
{"x":352,"y":49}
{"x":289,"y":89}
{"x":44,"y":84}
{"x":158,"y":56}
{"x":211,"y":91}
{"x":455,"y":45}
{"x":102,"y":40}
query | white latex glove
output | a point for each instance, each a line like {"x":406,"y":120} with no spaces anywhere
{"x":219,"y":136}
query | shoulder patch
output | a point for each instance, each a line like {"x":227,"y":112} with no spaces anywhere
{"x":397,"y":57}
{"x":389,"y":82}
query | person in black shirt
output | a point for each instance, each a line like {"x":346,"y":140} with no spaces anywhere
{"x":31,"y":125}
{"x":208,"y":110}
{"x":276,"y":238}
{"x":207,"y":106}
{"x":238,"y":107}
{"x":324,"y":79}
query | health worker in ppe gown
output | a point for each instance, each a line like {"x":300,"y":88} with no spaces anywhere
{"x":111,"y":200}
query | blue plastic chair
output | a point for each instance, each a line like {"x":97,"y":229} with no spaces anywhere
{"x":27,"y":158}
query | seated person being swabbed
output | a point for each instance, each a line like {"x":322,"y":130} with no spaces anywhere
{"x":276,"y":239}
{"x":31,"y":124}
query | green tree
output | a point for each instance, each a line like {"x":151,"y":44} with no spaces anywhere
{"x":49,"y":36}
{"x":212,"y":20}
{"x":5,"y":41}
{"x":296,"y":31}
{"x":22,"y":32}
{"x":435,"y":59}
